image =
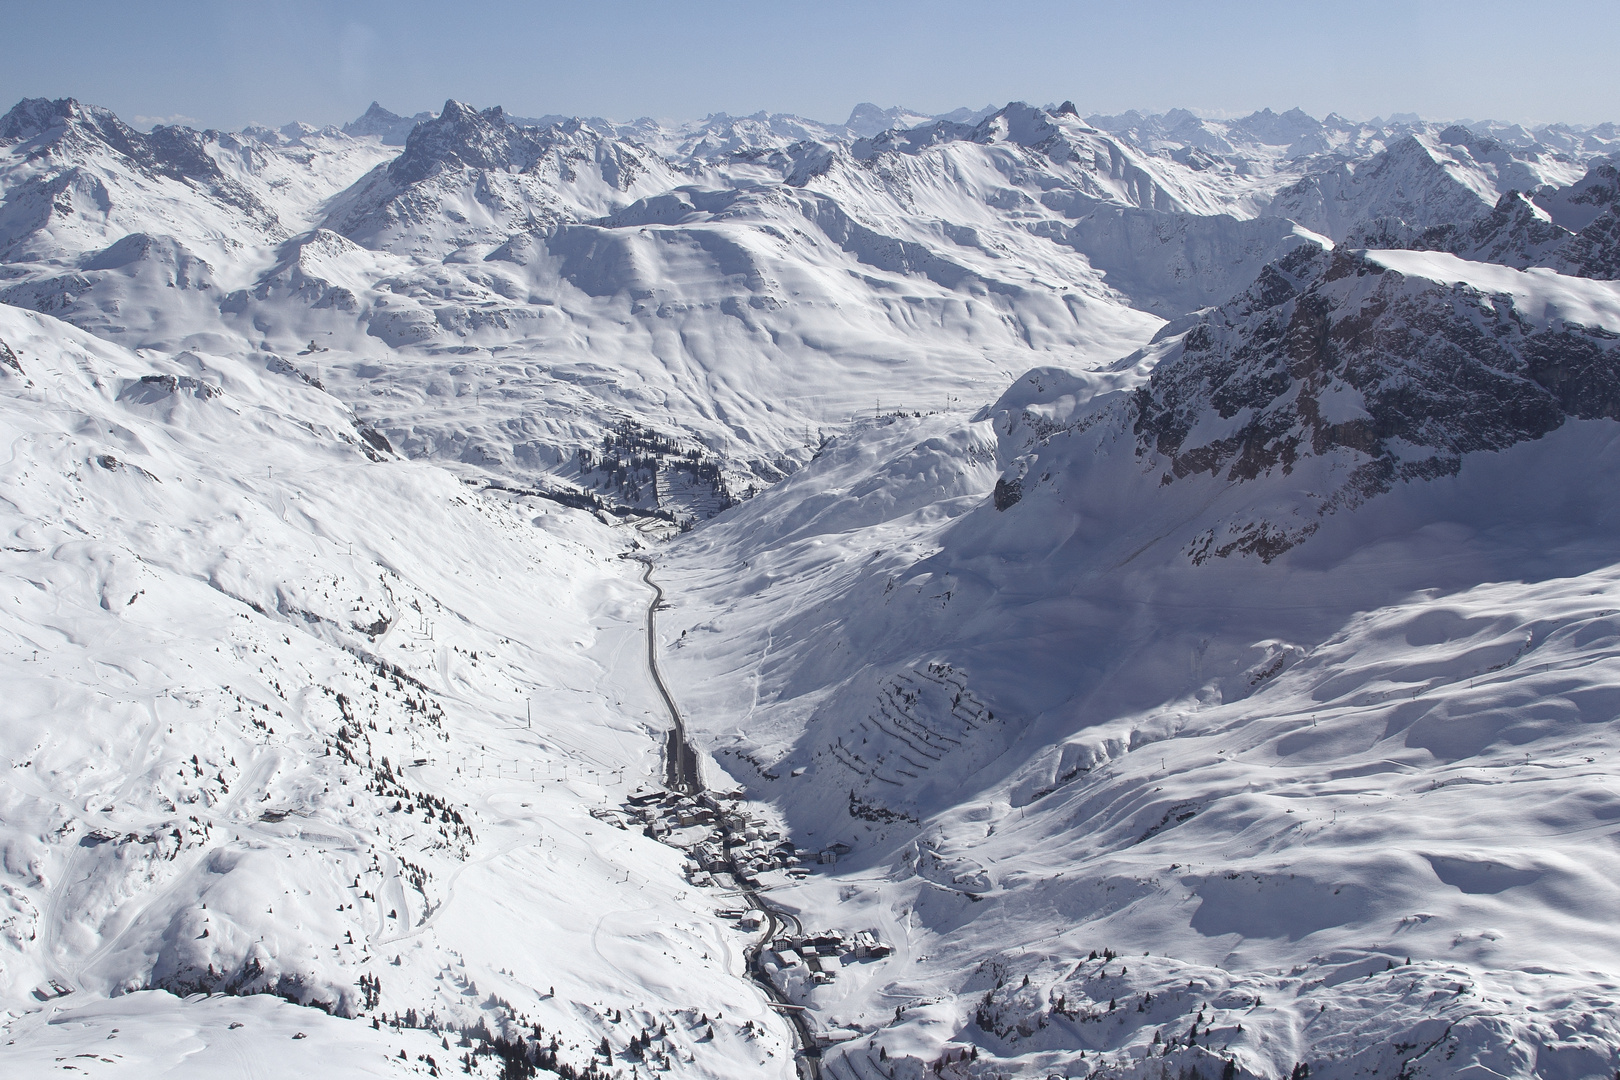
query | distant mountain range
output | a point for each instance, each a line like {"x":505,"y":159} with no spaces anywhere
{"x":1154,"y":572}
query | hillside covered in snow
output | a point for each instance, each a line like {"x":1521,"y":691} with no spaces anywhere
{"x":1139,"y":590}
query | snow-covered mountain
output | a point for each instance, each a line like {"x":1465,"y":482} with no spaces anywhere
{"x":264,"y":737}
{"x":1152,"y":571}
{"x":722,"y":267}
{"x":1245,"y":703}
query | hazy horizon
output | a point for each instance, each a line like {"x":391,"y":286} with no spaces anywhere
{"x":225,"y":66}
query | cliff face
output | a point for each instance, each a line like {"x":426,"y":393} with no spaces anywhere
{"x":1396,"y":375}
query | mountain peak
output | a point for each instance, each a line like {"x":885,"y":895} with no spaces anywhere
{"x":35,"y":116}
{"x":1279,"y":129}
{"x":1019,"y":122}
{"x":459,"y":112}
{"x":392,"y":128}
{"x":376,"y":113}
{"x":863,"y":116}
{"x":74,"y":131}
{"x":866,"y":119}
{"x":461,"y":135}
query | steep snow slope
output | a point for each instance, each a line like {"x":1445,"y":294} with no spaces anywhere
{"x":1339,"y":803}
{"x":245,"y":647}
{"x":1420,"y":180}
{"x":466,"y":177}
{"x":76,"y":179}
{"x":744,"y":315}
{"x":1278,"y":650}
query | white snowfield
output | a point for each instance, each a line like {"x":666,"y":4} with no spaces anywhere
{"x":1537,"y":293}
{"x":1351,"y":807}
{"x":266,"y":727}
{"x":1233,"y":695}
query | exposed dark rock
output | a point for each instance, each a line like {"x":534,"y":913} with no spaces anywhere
{"x":1007,"y":492}
{"x":65,"y":127}
{"x":1514,"y":233}
{"x":1594,"y":252}
{"x":151,"y":389}
{"x":511,"y":169}
{"x":1578,"y":205}
{"x":1332,"y":354}
{"x":377,"y":439}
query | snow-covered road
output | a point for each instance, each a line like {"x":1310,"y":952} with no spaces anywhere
{"x":683,"y":773}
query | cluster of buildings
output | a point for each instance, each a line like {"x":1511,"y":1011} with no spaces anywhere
{"x":726,"y":847}
{"x":724,"y":844}
{"x":794,"y":963}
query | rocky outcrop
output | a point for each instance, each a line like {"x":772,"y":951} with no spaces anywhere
{"x":66,"y":129}
{"x":391,"y":128}
{"x":1595,"y":250}
{"x":1336,"y":355}
{"x":467,"y":176}
{"x":66,"y":144}
{"x":1516,"y":232}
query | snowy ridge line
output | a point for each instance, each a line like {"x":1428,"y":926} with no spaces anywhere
{"x":1293,"y":506}
{"x":704,"y":265}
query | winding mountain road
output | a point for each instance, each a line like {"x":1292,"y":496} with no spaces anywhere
{"x":681,"y":773}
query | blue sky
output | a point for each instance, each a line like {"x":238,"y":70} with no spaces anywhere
{"x":225,"y":64}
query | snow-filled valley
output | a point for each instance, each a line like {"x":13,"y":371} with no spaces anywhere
{"x":1140,"y":594}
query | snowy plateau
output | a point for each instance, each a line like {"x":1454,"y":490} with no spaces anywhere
{"x":1001,"y":594}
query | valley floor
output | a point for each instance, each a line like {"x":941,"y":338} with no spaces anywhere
{"x":315,"y":727}
{"x":1233,"y":696}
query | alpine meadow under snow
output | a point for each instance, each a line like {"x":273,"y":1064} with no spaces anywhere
{"x":1130,"y":597}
